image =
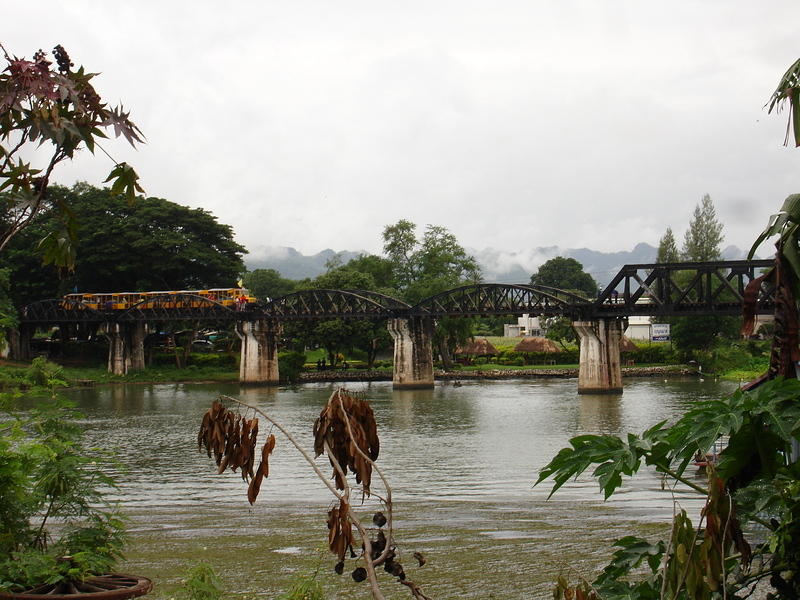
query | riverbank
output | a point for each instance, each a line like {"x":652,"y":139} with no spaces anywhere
{"x":13,"y":376}
{"x":543,"y":373}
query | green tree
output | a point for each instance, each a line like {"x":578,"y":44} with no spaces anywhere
{"x":268,"y":284}
{"x":48,"y":113}
{"x":566,"y":274}
{"x":400,"y":247}
{"x":423,"y":268}
{"x":694,"y":336}
{"x":338,"y":336}
{"x":379,"y":268}
{"x":153,"y":244}
{"x":667,"y":248}
{"x":428,"y":266}
{"x":559,"y":329}
{"x":704,"y":236}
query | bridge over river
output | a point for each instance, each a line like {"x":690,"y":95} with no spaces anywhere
{"x":666,"y":289}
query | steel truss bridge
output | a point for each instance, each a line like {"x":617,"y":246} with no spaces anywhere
{"x":667,"y":289}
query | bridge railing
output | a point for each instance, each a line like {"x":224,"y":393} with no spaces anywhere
{"x":698,"y":288}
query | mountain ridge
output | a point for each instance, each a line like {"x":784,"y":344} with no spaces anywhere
{"x":498,"y":266}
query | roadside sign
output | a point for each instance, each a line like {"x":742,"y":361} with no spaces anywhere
{"x":659,"y":332}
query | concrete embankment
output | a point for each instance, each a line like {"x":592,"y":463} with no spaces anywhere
{"x":358,"y":375}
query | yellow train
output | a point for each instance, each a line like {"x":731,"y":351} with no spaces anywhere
{"x":230,"y":297}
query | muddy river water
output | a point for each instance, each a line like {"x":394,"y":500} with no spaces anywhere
{"x":461,"y":460}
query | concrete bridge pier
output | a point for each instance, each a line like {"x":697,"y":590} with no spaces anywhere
{"x":259,"y":359}
{"x":600,"y":371}
{"x":18,"y":342}
{"x":118,"y":359}
{"x":413,"y":352}
{"x":136,"y":334}
{"x":125,"y":346}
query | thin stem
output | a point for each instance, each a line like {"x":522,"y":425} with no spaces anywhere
{"x":388,"y":502}
{"x":376,"y":592}
{"x":666,"y":470}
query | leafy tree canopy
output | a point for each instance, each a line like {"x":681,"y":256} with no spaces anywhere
{"x":338,"y":336}
{"x":433,"y":264}
{"x":566,"y":274}
{"x":152,"y":244}
{"x":268,"y":283}
{"x":425,"y":267}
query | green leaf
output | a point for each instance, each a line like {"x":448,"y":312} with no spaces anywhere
{"x":125,"y":181}
{"x":633,"y":551}
{"x":791,"y":206}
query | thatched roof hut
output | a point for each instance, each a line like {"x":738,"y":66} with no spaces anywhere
{"x":626,"y":345}
{"x":537,"y":344}
{"x":478,"y":347}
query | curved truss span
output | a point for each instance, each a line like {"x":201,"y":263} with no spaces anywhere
{"x":177,"y":307}
{"x":331,"y":304}
{"x":60,"y":310}
{"x":388,"y":302}
{"x":493,"y":299}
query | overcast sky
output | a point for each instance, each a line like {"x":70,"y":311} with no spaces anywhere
{"x":514,"y":124}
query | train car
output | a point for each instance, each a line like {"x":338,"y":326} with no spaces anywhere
{"x":233,"y":298}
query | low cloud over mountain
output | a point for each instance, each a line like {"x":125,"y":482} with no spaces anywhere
{"x":499,"y":266}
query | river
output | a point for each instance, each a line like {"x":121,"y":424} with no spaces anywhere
{"x":461,"y":461}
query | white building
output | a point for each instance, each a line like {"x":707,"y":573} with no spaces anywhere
{"x":638,"y":328}
{"x":526,"y":326}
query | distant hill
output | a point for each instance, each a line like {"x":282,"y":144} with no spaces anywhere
{"x":291,"y":264}
{"x":498,"y":266}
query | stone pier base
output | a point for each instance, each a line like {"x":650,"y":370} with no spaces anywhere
{"x":600,"y":371}
{"x":259,"y":363}
{"x":125,"y":346}
{"x":118,"y":357}
{"x":413,"y":352}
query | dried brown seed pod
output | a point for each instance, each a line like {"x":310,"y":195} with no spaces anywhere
{"x":379,"y":519}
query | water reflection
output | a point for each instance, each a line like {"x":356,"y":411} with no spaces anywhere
{"x":600,"y":413}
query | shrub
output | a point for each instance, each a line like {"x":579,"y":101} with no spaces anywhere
{"x":202,"y":583}
{"x":290,"y":365}
{"x":52,"y":504}
{"x":212,"y":360}
{"x":45,"y":374}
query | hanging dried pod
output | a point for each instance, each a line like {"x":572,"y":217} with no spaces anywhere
{"x":263,"y":470}
{"x":340,"y":532}
{"x":346,"y":425}
{"x":230,"y":438}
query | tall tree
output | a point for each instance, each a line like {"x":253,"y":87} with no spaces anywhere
{"x":47,"y":113}
{"x":701,"y":243}
{"x":152,"y":244}
{"x":566,"y":274}
{"x":667,"y":248}
{"x":429,"y":266}
{"x":704,"y":236}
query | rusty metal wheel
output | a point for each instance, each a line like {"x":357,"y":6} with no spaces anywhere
{"x":114,"y":586}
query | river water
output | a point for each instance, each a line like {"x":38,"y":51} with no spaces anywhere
{"x":461,"y":460}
